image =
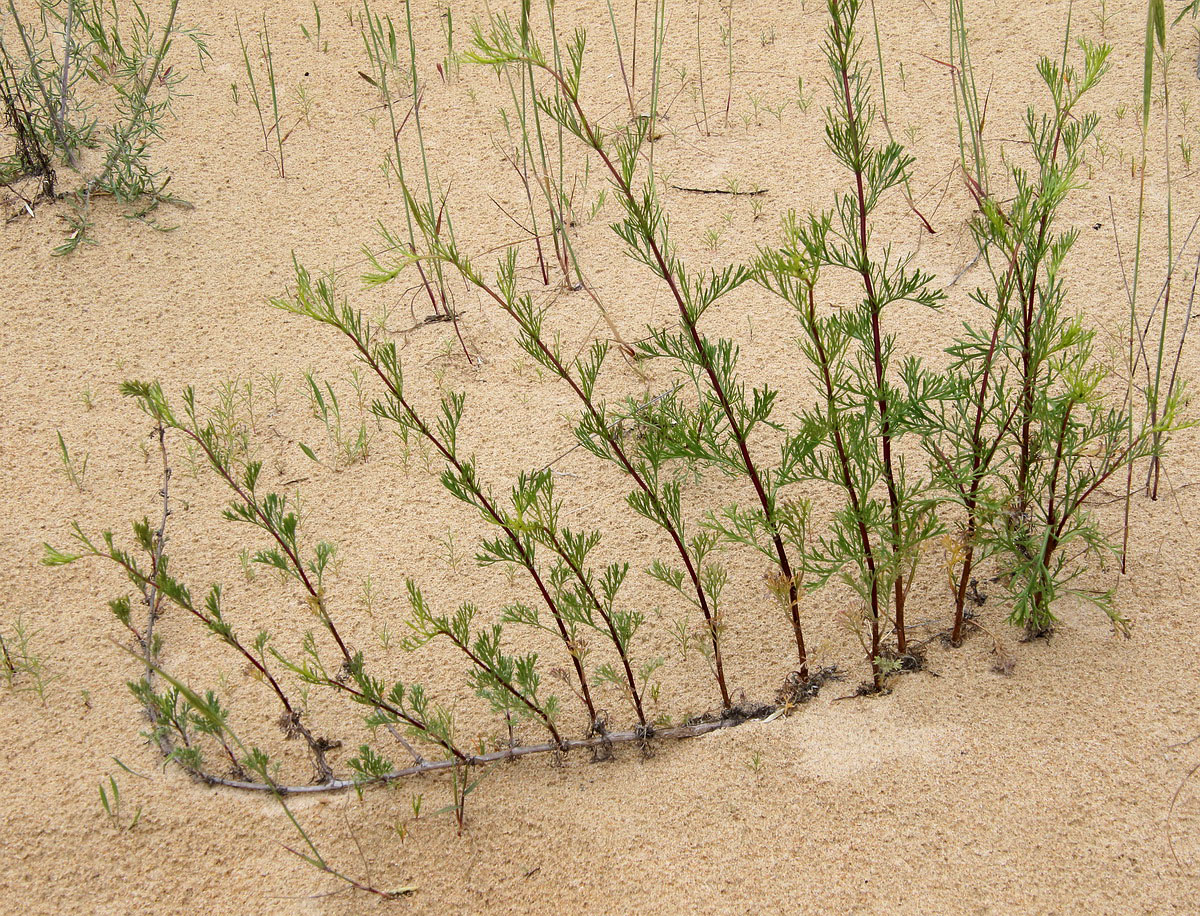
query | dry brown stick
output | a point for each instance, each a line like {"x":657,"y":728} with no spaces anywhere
{"x":757,"y":192}
{"x":971,"y":263}
{"x":1171,"y":810}
{"x":8,"y":662}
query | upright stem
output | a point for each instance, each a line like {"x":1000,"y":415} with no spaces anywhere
{"x":508,"y":687}
{"x":314,"y":591}
{"x":621,"y":60}
{"x":65,"y":80}
{"x":59,"y":128}
{"x":1040,"y":613}
{"x":1154,"y":471}
{"x":29,"y":149}
{"x":979,"y":458}
{"x":633,"y":55}
{"x":521,"y":103}
{"x":447,"y":306}
{"x":316,"y":595}
{"x":376,"y":53}
{"x":647,"y":231}
{"x":151,"y":595}
{"x":864,"y":269}
{"x":622,"y":650}
{"x":729,"y":47}
{"x":1029,"y":365}
{"x":1027,"y":289}
{"x":700,"y":68}
{"x":627,"y":464}
{"x":864,"y":536}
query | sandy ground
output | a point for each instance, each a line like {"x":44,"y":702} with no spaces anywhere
{"x":962,"y":790}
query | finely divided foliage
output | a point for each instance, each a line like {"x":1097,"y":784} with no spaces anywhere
{"x":866,"y":404}
{"x":999,"y":455}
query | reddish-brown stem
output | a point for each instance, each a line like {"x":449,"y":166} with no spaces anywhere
{"x":964,"y":580}
{"x":315,"y":746}
{"x":492,"y":513}
{"x":1028,"y":292}
{"x":428,"y":286}
{"x":843,"y":456}
{"x":864,"y":269}
{"x":295,"y":561}
{"x":396,"y":711}
{"x":483,"y":666}
{"x":1052,"y":521}
{"x":558,"y":230}
{"x":324,"y":867}
{"x":523,"y":174}
{"x":153,"y":597}
{"x":581,"y":577}
{"x":689,"y":323}
{"x":639,"y":480}
{"x":979,"y":459}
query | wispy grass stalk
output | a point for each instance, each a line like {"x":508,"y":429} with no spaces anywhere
{"x":887,"y":124}
{"x":970,"y":116}
{"x":387,"y":65}
{"x":700,"y":72}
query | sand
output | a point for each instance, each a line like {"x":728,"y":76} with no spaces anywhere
{"x":960,"y":791}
